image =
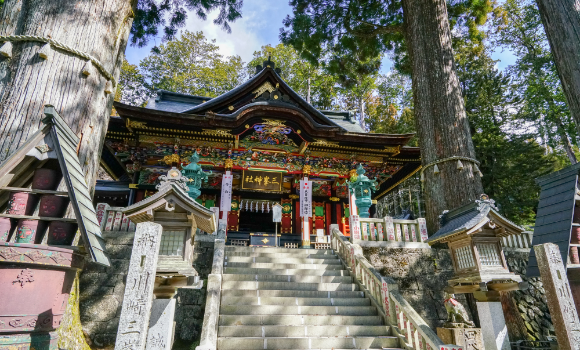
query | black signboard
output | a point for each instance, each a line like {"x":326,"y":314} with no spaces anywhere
{"x":261,"y":180}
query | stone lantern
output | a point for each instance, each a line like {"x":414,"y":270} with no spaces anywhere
{"x":362,"y":187}
{"x":195,"y":176}
{"x":473,"y":233}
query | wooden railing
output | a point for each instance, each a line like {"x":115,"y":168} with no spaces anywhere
{"x":397,"y":312}
{"x":393,"y":230}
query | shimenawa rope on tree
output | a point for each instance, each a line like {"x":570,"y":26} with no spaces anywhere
{"x":459,"y":165}
{"x":45,"y":53}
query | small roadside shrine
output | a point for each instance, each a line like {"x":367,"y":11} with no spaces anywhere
{"x":473,"y":233}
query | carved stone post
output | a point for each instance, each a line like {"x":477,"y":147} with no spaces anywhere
{"x":559,"y":296}
{"x":138,"y":298}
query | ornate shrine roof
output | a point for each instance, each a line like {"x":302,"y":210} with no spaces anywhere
{"x":262,"y":123}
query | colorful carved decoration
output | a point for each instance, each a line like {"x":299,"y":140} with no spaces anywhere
{"x":363,"y":188}
{"x":321,"y":188}
{"x":195,"y":175}
{"x":272,"y":132}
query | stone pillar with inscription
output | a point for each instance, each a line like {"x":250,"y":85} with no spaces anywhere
{"x":559,"y":296}
{"x":160,"y":335}
{"x":138,"y":298}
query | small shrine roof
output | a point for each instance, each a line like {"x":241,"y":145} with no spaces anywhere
{"x":468,"y":217}
{"x":171,"y":193}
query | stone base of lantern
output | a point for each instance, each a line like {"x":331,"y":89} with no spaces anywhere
{"x":45,"y":341}
{"x":468,"y":338}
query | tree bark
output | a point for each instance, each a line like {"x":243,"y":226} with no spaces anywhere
{"x":441,"y":122}
{"x":561,"y":19}
{"x":99,"y":28}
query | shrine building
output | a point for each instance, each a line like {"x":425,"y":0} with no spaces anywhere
{"x":269,"y":138}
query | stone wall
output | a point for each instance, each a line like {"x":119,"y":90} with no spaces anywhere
{"x":535,"y":321}
{"x":421,"y":274}
{"x":102,"y":289}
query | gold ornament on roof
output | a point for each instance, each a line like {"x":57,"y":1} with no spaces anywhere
{"x":229,"y":163}
{"x":322,"y":142}
{"x":294,"y":196}
{"x":217,"y":132}
{"x":334,"y":199}
{"x":263,"y":88}
{"x":135,"y":124}
{"x":274,"y":123}
{"x":306,"y":169}
{"x":170,"y":159}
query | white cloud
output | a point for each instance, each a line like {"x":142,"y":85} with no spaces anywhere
{"x":242,"y":41}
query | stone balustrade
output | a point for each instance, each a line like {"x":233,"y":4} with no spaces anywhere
{"x":393,"y":232}
{"x":112,"y":219}
{"x":397,"y":312}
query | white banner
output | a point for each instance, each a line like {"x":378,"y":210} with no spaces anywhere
{"x":226,"y":196}
{"x":305,"y":198}
{"x":277,"y":213}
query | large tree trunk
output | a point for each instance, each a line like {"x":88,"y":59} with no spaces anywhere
{"x":442,"y":126}
{"x":99,"y":28}
{"x":561,"y":20}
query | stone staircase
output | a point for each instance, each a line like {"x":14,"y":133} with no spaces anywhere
{"x":278,"y":298}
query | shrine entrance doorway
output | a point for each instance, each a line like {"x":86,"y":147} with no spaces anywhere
{"x":257,"y":221}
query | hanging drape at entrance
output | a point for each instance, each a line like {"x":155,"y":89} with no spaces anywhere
{"x":286,"y":224}
{"x":234,"y":214}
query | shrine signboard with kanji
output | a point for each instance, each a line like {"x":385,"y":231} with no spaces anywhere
{"x":261,"y":180}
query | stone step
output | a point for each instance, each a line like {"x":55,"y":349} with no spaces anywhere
{"x":259,"y":259}
{"x":288,"y":301}
{"x":299,"y":320}
{"x":320,"y":254}
{"x":235,"y":343}
{"x":297,"y":310}
{"x":288,"y":278}
{"x":303,"y":331}
{"x":249,"y":285}
{"x":284,"y":266}
{"x":276,"y":250}
{"x":308,"y":272}
{"x":291,"y":293}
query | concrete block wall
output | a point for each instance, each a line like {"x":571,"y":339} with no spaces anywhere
{"x":102,"y":289}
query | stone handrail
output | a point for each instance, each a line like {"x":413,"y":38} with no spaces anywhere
{"x":388,"y":229}
{"x":210,"y":325}
{"x":113,"y":219}
{"x":398,"y":313}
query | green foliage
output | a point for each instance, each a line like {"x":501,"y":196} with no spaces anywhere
{"x":518,"y":27}
{"x":132,"y":87}
{"x":171,"y":15}
{"x":510,"y":158}
{"x":191,"y":64}
{"x":363,"y":30}
{"x":299,"y":74}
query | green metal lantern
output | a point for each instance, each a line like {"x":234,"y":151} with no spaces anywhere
{"x":195,"y":176}
{"x":362,"y":187}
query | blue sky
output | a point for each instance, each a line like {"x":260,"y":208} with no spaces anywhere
{"x":260,"y":25}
